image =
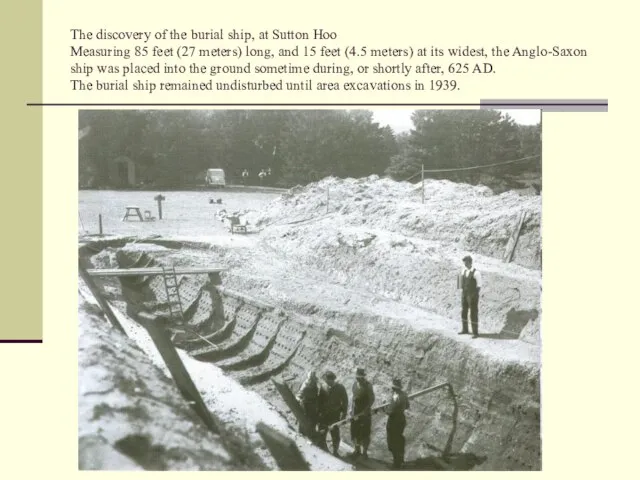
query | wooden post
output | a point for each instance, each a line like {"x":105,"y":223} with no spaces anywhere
{"x":158,"y":333}
{"x":513,"y":240}
{"x":327,"y":200}
{"x":106,"y":308}
{"x":159,"y":198}
{"x":100,"y":222}
{"x":423,"y":183}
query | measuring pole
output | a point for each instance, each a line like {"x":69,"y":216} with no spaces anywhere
{"x":381,"y":408}
{"x":100,"y":222}
{"x":423,"y":183}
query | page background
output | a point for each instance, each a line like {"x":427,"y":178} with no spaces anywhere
{"x":588,"y":340}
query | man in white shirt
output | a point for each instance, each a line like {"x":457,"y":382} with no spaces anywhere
{"x":470,"y":281}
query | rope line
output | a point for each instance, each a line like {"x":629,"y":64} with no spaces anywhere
{"x":472,"y":168}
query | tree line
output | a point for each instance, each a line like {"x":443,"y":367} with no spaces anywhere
{"x":174,"y":148}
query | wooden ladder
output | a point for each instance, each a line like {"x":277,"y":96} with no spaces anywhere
{"x":173,"y":294}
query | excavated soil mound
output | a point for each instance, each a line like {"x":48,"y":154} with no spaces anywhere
{"x":379,"y":237}
{"x":413,"y":271}
{"x":464,"y":216}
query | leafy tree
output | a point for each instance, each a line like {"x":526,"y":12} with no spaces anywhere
{"x":174,"y":148}
{"x":460,"y":139}
{"x":113,"y":134}
{"x":406,"y":162}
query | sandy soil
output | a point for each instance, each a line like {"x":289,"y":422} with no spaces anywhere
{"x":131,"y":415}
{"x":376,"y":250}
{"x":183,"y":213}
{"x":238,"y":409}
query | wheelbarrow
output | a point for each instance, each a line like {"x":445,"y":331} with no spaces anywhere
{"x":236,"y":225}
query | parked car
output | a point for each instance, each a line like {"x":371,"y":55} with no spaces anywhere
{"x":215,"y":177}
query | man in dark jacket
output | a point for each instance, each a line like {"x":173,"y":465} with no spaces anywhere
{"x":396,"y":423}
{"x":334,"y":403}
{"x":361,"y":402}
{"x":308,"y":399}
{"x":470,"y":281}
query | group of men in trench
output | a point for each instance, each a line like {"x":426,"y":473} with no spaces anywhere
{"x":325,"y":402}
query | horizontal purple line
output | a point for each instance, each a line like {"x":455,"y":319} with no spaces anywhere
{"x":482,"y":104}
{"x":20,"y":341}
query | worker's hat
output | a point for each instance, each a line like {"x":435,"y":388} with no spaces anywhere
{"x":329,"y":375}
{"x":360,"y":373}
{"x":467,"y":257}
{"x":396,"y":384}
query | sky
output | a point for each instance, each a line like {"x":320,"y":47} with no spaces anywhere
{"x":400,"y":120}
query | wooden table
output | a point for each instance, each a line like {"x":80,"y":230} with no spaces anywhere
{"x":133,"y":211}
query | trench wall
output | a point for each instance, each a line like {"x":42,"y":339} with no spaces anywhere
{"x":132,"y":417}
{"x":495,"y":417}
{"x":492,"y":422}
{"x":418,"y":273}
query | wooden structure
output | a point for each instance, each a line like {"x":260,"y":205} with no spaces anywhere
{"x":306,"y":427}
{"x":513,"y":240}
{"x":159,"y":198}
{"x":132,"y":211}
{"x":104,"y":305}
{"x":136,"y":272}
{"x":158,"y":331}
{"x":172,"y":288}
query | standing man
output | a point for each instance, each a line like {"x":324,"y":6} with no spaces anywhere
{"x":245,"y":177}
{"x":308,"y":399}
{"x":261,"y":175}
{"x":396,"y":423}
{"x":470,"y":281}
{"x":334,"y":403}
{"x":361,"y":402}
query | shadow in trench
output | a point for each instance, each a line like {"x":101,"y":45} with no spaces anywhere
{"x":457,"y":461}
{"x":516,"y":321}
{"x":446,"y":460}
{"x":453,"y":462}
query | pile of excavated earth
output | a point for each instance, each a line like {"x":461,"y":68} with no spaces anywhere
{"x":338,"y":274}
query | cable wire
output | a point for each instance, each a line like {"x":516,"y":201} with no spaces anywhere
{"x":471,"y":168}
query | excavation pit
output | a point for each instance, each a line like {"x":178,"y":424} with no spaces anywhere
{"x":261,"y":330}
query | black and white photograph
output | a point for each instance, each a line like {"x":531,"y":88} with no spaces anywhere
{"x":309,"y":289}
